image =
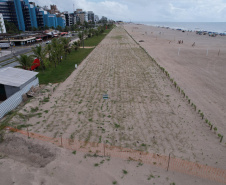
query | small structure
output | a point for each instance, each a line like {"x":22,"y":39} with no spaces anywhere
{"x":14,"y":83}
{"x":105,"y":96}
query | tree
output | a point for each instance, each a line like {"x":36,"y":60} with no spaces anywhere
{"x":56,"y":51}
{"x":66,"y":29}
{"x":80,"y":35}
{"x":65,"y":42}
{"x":86,"y":25}
{"x":10,"y":27}
{"x":25,"y":61}
{"x":40,"y":53}
{"x":75,"y":45}
{"x":59,"y":28}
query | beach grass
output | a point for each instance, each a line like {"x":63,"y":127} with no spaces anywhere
{"x":67,"y":66}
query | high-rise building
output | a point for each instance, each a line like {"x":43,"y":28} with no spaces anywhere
{"x":33,"y":16}
{"x":91,"y":16}
{"x":81,"y":16}
{"x":26,"y":15}
{"x":96,"y":18}
{"x":40,"y":17}
{"x":53,"y":9}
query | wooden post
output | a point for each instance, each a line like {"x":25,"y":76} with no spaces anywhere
{"x":61,"y":141}
{"x":211,"y":127}
{"x":27,"y":133}
{"x":168,"y":163}
{"x":104,"y":150}
{"x":221,"y":138}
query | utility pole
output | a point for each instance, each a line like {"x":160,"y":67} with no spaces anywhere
{"x":83,"y":37}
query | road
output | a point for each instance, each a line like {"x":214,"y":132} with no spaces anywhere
{"x":10,"y":60}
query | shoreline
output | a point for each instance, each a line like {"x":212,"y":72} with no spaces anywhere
{"x":187,"y":26}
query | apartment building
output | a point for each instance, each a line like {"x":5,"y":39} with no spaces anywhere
{"x":26,"y":15}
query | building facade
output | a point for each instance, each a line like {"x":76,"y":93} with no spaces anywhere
{"x":2,"y":24}
{"x":91,"y":17}
{"x":27,"y":16}
{"x":81,"y":16}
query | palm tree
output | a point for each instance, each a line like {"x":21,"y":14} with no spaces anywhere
{"x":65,"y":42}
{"x":75,"y":45}
{"x":40,"y":53}
{"x":25,"y":61}
{"x":56,"y":52}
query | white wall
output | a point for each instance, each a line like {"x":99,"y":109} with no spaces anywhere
{"x":12,"y":102}
{"x":2,"y":24}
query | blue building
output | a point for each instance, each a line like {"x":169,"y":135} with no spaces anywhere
{"x":26,"y":15}
{"x":61,"y":22}
{"x":33,"y":17}
{"x":52,"y":20}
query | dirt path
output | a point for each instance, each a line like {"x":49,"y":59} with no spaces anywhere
{"x":144,"y":110}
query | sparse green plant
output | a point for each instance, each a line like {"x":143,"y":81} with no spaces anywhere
{"x":96,"y":164}
{"x":46,"y":99}
{"x":74,"y":152}
{"x":117,"y":125}
{"x":114,"y":182}
{"x":173,"y":183}
{"x":139,"y":164}
{"x":150,"y":177}
{"x":215,"y":129}
{"x":34,"y":109}
{"x":202,"y":115}
{"x":100,"y":139}
{"x":124,"y":172}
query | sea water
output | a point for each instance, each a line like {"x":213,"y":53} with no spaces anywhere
{"x":219,"y":27}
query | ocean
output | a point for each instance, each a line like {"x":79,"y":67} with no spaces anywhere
{"x":219,"y":27}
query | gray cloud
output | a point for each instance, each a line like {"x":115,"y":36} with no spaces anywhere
{"x":148,"y":10}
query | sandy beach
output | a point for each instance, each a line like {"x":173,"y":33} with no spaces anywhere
{"x":144,"y":112}
{"x":199,"y":70}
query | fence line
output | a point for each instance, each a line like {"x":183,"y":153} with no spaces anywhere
{"x":100,"y":149}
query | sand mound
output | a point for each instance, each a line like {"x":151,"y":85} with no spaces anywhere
{"x":27,"y":152}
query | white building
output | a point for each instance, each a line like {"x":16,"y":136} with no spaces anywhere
{"x":2,"y":24}
{"x":96,"y":18}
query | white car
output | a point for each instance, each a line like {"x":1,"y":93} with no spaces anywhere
{"x":48,"y":42}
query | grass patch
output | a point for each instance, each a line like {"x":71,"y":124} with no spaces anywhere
{"x":95,"y":40}
{"x":64,"y":69}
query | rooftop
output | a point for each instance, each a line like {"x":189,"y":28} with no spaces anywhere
{"x":15,"y":77}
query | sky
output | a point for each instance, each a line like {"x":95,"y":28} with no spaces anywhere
{"x":148,"y":10}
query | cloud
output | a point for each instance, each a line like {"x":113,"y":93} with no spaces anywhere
{"x":149,"y":10}
{"x":111,"y":9}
